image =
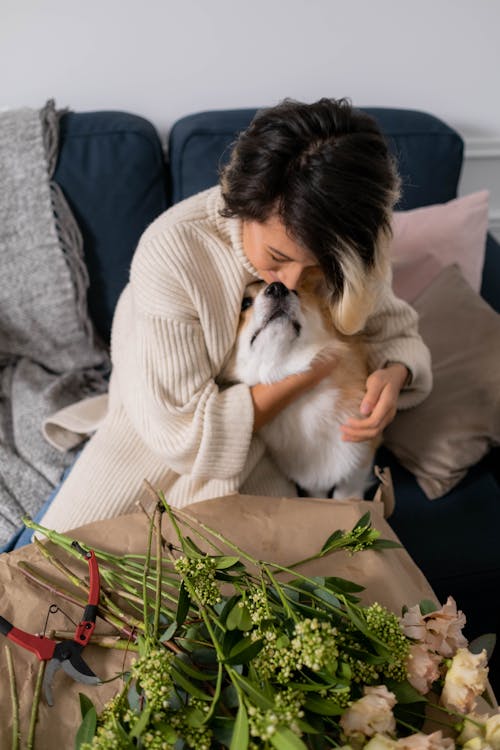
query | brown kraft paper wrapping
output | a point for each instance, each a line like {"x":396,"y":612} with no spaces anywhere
{"x":282,"y":530}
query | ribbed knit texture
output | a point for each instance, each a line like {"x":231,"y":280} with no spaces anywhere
{"x":169,"y":420}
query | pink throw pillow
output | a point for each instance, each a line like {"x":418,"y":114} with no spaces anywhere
{"x":429,"y":238}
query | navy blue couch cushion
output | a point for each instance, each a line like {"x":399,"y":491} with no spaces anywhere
{"x":429,"y":153}
{"x":112,"y":172}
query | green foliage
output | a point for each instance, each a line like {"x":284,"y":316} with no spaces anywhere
{"x":247,"y":660}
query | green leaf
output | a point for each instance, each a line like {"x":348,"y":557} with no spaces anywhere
{"x":226,"y":561}
{"x":182,"y":605}
{"x":342,"y":585}
{"x":87,"y":728}
{"x":385,"y":544}
{"x":191,"y":549}
{"x":239,"y":618}
{"x":486,"y":641}
{"x":285,"y":739}
{"x":188,"y":686}
{"x":141,"y":723}
{"x":405,"y":693}
{"x":364,"y":522}
{"x":322,"y":706}
{"x":168,"y":634}
{"x":244,"y":650}
{"x":427,"y":606}
{"x":85,"y":704}
{"x":196,"y":674}
{"x":241,"y":735}
{"x":330,"y":542}
{"x":327,"y":596}
{"x":255,"y":693}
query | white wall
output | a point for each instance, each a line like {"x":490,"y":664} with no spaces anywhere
{"x":164,"y":59}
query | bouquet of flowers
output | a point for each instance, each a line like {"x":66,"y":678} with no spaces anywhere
{"x":234,"y":652}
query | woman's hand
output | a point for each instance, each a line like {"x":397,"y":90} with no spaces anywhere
{"x":379,"y":403}
{"x":270,"y":399}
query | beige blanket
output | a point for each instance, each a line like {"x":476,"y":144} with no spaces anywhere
{"x":282,"y":530}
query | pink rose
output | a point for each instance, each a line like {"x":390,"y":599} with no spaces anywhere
{"x":423,"y":667}
{"x":441,"y":630}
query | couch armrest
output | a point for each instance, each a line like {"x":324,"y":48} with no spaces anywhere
{"x":490,"y":287}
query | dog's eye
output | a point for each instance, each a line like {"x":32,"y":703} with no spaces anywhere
{"x":245,"y":303}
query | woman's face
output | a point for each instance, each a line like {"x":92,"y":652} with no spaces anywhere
{"x":273,"y":253}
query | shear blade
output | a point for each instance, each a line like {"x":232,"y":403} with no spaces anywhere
{"x":80,"y":671}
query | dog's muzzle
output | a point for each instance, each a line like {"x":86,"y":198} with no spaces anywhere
{"x":279,"y":306}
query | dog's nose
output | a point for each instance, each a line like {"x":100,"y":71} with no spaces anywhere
{"x":277,"y":289}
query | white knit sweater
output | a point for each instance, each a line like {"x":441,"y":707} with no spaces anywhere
{"x":167,"y":418}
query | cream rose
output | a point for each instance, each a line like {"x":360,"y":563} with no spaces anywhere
{"x":464,"y":681}
{"x":371,"y":714}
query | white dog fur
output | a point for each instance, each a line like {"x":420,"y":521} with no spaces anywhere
{"x":279,"y":334}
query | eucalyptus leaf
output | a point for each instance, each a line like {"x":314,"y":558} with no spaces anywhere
{"x":486,"y":641}
{"x":427,"y":606}
{"x":405,"y":693}
{"x":133,"y":697}
{"x":168,"y":634}
{"x":241,"y":736}
{"x":86,"y":730}
{"x":342,"y":585}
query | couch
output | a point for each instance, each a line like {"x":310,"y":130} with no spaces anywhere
{"x":117,"y":179}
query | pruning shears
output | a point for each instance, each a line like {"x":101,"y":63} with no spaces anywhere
{"x":64,"y":654}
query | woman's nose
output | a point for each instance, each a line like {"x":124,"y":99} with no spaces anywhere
{"x":290,"y":276}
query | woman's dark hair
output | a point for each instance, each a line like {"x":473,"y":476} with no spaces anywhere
{"x":325,"y":170}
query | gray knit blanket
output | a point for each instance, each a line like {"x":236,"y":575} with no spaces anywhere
{"x":48,"y":355}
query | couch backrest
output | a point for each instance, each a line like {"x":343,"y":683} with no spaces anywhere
{"x":429,"y":152}
{"x":112,"y":170}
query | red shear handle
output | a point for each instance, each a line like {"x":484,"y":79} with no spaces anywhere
{"x":40,"y":645}
{"x":87,"y":624}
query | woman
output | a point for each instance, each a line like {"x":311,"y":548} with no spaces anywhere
{"x":307,"y":185}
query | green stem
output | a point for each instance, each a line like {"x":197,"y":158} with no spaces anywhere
{"x":156,"y":619}
{"x":281,"y":594}
{"x":145,"y":576}
{"x":16,"y":736}
{"x":61,"y":591}
{"x":30,"y":743}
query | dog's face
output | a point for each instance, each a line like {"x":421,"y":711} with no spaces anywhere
{"x":279,"y":333}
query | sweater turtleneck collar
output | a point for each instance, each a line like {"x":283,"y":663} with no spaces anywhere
{"x":231,"y":230}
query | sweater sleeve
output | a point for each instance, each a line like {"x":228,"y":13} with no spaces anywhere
{"x":391,"y":335}
{"x":166,"y":378}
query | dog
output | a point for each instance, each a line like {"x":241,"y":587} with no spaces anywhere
{"x":280,"y":332}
